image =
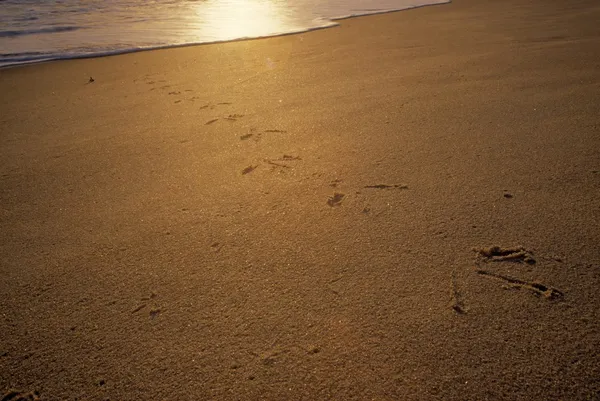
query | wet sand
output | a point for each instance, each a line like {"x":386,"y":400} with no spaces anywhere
{"x":404,"y":207}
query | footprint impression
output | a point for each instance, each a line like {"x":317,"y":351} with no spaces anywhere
{"x":518,"y":255}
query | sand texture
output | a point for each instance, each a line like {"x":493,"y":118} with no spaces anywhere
{"x":404,"y":207}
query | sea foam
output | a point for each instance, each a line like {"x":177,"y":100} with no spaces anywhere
{"x":39,"y":30}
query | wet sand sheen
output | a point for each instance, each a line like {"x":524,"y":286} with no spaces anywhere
{"x":320,"y":216}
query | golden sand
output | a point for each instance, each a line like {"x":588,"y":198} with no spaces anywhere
{"x":302,"y":217}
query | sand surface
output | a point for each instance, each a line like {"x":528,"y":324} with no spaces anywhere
{"x":312,"y":216}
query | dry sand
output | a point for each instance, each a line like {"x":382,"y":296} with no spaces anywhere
{"x":196,"y":223}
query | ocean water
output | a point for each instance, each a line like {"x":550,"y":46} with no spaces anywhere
{"x":41,"y":30}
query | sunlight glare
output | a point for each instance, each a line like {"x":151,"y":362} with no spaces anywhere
{"x":244,"y":18}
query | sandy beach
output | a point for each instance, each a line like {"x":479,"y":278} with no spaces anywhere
{"x":404,"y":207}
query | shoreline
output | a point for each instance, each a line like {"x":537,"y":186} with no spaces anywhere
{"x":404,"y":207}
{"x":333,"y":24}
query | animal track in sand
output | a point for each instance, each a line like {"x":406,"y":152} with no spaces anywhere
{"x":233,"y":117}
{"x":387,"y":186}
{"x":212,"y":105}
{"x":274,"y":163}
{"x":216,"y":246}
{"x":139,"y":308}
{"x":252,"y":134}
{"x":289,"y":157}
{"x":518,"y":254}
{"x":537,"y":288}
{"x":335,"y":183}
{"x":249,"y":169}
{"x":154,"y":313}
{"x":336,"y":199}
{"x":144,"y":304}
{"x":149,"y":81}
{"x":457,"y":301}
{"x":280,"y":162}
{"x":498,"y":254}
{"x":271,"y":357}
{"x":15,"y":395}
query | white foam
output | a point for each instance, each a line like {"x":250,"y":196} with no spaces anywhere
{"x":38,"y":31}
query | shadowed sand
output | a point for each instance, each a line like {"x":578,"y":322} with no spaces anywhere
{"x":404,"y":207}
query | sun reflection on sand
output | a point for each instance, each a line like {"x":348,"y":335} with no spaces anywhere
{"x":244,"y":18}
